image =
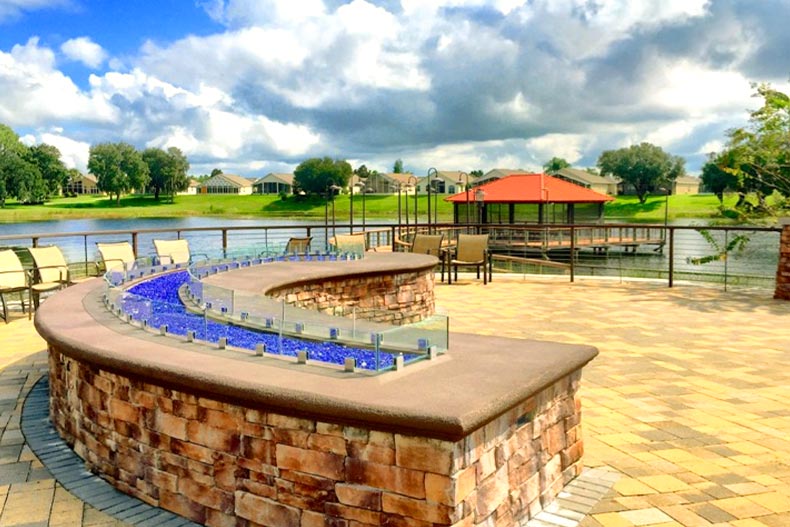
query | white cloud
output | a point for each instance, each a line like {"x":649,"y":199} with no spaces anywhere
{"x":567,"y":146}
{"x":73,"y":153}
{"x":715,"y":145}
{"x":34,"y":92}
{"x":263,"y":12}
{"x":83,"y":49}
{"x":697,"y":90}
{"x":10,"y":9}
{"x":460,"y":84}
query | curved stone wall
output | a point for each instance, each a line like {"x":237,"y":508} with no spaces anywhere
{"x":383,"y":287}
{"x":487,"y":433}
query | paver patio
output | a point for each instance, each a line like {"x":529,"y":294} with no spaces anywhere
{"x":687,"y":400}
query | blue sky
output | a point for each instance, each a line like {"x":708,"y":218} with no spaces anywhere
{"x":255,"y":86}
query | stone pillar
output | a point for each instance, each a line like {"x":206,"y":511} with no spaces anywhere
{"x":782,"y":291}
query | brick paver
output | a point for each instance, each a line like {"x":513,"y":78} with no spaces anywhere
{"x":687,"y":400}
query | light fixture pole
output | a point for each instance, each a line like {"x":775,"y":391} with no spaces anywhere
{"x":399,"y":210}
{"x":411,"y":183}
{"x":432,"y":172}
{"x":364,"y":191}
{"x":666,"y":208}
{"x":480,"y":198}
{"x":466,"y":191}
{"x":351,"y":205}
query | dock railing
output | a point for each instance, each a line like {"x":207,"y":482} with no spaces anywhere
{"x":731,"y":256}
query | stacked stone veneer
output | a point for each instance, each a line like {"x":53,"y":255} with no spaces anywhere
{"x":783,"y":270}
{"x":226,"y":464}
{"x":397,"y":298}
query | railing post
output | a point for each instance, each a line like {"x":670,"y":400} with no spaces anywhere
{"x":392,"y":237}
{"x":34,"y":242}
{"x":671,"y":255}
{"x":573,"y":254}
{"x":134,"y":243}
{"x":726,"y":256}
{"x":85,"y":249}
{"x":224,"y":243}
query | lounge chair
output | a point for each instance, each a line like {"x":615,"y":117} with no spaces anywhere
{"x":51,"y":272}
{"x":470,"y":251}
{"x":118,"y":256}
{"x":298,"y":245}
{"x":13,"y":279}
{"x":174,"y":252}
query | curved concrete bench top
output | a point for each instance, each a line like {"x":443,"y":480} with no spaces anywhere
{"x":477,"y":380}
{"x":280,"y":275}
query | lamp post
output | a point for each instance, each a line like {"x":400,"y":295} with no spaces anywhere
{"x":399,"y":210}
{"x":330,"y":191}
{"x":432,"y":173}
{"x":351,"y":206}
{"x":666,"y":208}
{"x":412,"y":185}
{"x":364,"y":190}
{"x":480,"y":198}
{"x":466,"y":191}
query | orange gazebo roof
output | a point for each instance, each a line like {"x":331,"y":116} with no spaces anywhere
{"x":531,"y":188}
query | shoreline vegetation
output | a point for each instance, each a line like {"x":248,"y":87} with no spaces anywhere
{"x":377,"y":207}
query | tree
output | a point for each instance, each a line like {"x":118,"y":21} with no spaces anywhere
{"x":167,"y":171}
{"x":718,"y":180}
{"x":758,"y":155}
{"x":476,"y":173}
{"x":398,"y":166}
{"x":19,"y":178}
{"x":47,"y":160}
{"x":644,"y":166}
{"x":216,"y":172}
{"x":554,"y":165}
{"x":316,"y":174}
{"x":118,"y":168}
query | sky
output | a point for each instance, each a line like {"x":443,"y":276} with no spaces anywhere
{"x":257,"y":86}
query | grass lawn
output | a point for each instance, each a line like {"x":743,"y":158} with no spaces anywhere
{"x":377,"y":207}
{"x":220,"y":205}
{"x":653,"y":210}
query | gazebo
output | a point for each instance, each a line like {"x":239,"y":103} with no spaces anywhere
{"x":528,"y":198}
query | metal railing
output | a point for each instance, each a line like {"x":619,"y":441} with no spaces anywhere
{"x":724,"y":255}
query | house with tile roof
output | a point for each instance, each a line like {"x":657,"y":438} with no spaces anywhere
{"x":604,"y":185}
{"x":227,"y":184}
{"x":686,"y":185}
{"x":273,"y":183}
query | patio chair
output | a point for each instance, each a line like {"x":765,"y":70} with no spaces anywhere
{"x":470,"y":251}
{"x":174,"y":252}
{"x":427,"y":244}
{"x":353,"y":243}
{"x":50,"y":272}
{"x":13,"y":279}
{"x":118,"y":256}
{"x":297,"y":245}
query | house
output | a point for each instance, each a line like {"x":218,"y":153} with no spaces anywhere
{"x":192,"y":188}
{"x":82,"y":184}
{"x":601,"y":184}
{"x":686,"y":185}
{"x":388,"y":183}
{"x":273,"y":183}
{"x":497,"y":173}
{"x":529,"y":198}
{"x":444,"y":182}
{"x":227,"y":184}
